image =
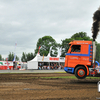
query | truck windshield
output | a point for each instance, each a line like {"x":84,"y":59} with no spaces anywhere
{"x":76,"y":48}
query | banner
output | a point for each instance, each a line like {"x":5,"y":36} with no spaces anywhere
{"x":39,"y":49}
{"x":7,"y":63}
{"x":43,"y":57}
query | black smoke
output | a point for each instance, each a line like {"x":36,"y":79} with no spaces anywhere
{"x":96,"y":24}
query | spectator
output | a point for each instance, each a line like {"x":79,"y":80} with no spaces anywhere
{"x":59,"y":67}
{"x":48,"y":67}
{"x":39,"y":67}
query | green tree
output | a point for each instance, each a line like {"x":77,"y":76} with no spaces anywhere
{"x":11,"y":57}
{"x":46,"y":42}
{"x":81,"y":36}
{"x":1,"y":57}
{"x":27,"y":57}
{"x":98,"y":52}
{"x":24,"y":57}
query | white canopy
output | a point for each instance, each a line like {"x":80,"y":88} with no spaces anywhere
{"x":33,"y":64}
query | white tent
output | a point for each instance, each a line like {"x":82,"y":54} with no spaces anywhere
{"x":33,"y":64}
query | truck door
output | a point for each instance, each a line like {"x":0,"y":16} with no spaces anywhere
{"x":74,"y":56}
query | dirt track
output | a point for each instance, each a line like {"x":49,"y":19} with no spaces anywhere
{"x":33,"y":87}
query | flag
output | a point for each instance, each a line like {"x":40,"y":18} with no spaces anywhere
{"x":14,"y":57}
{"x":39,"y":49}
{"x":7,"y":63}
{"x":49,"y":51}
{"x":59,"y":52}
{"x":15,"y":44}
{"x":43,"y":57}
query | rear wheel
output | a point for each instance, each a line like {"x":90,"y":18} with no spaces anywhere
{"x":80,"y":72}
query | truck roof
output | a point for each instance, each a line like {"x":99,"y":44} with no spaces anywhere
{"x":80,"y":42}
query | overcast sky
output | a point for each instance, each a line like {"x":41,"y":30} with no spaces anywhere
{"x":25,"y":21}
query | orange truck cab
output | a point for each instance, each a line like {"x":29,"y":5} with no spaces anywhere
{"x":78,"y":59}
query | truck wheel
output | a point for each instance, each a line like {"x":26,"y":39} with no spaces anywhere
{"x":80,"y":72}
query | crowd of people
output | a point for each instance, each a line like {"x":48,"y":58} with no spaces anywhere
{"x":49,"y":66}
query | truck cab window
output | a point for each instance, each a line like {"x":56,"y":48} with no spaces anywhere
{"x":76,"y":48}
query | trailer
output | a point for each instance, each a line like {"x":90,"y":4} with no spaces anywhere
{"x":4,"y":65}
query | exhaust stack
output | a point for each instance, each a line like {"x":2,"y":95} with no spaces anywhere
{"x":94,"y":50}
{"x":95,"y":30}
